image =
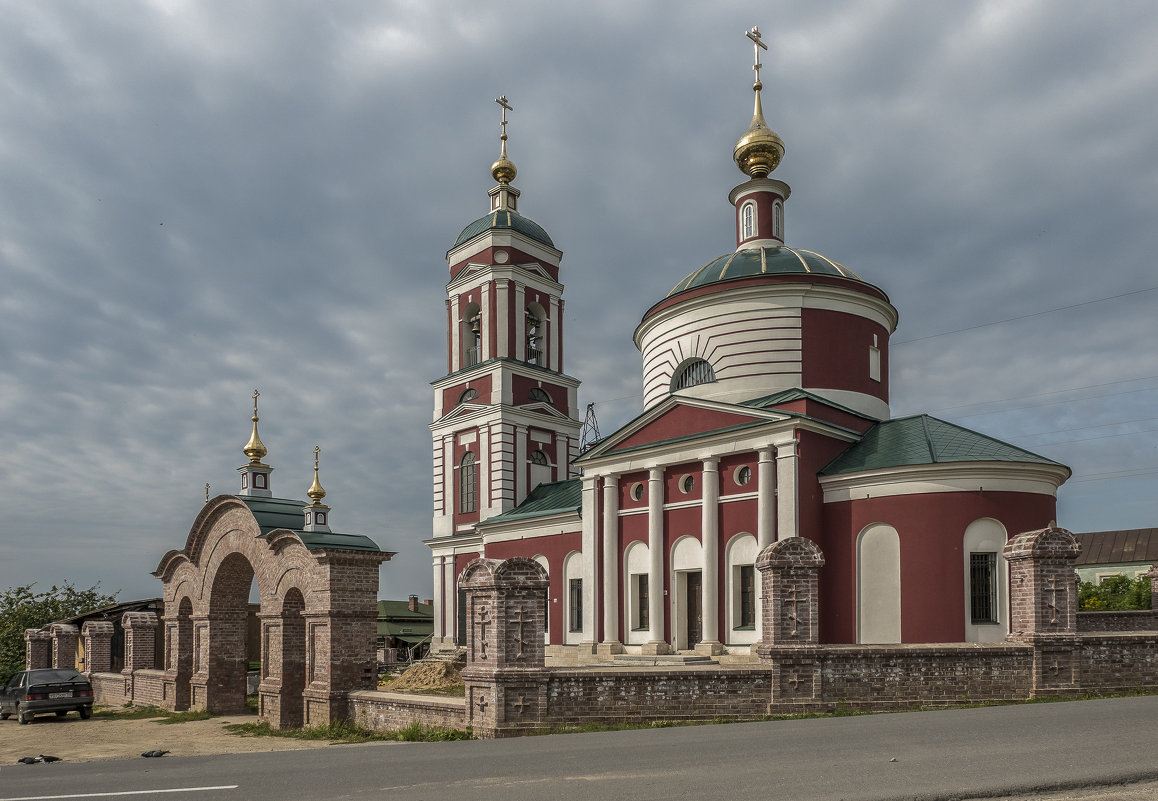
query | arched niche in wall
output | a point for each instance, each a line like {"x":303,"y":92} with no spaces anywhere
{"x":740,"y":593}
{"x":543,"y":563}
{"x":687,"y":604}
{"x":636,"y":593}
{"x":878,"y":585}
{"x":986,"y":606}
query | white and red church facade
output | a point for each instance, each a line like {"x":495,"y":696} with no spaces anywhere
{"x":766,"y":416}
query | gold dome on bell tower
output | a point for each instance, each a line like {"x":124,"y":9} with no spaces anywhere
{"x":504,"y":170}
{"x":760,"y":149}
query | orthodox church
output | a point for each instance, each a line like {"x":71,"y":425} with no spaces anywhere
{"x":765,"y":378}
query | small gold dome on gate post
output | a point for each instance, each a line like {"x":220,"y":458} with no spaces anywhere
{"x":255,"y":448}
{"x":315,"y":492}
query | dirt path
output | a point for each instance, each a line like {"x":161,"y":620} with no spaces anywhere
{"x":77,"y":740}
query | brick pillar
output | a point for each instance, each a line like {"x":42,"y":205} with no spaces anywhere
{"x":1043,"y":604}
{"x":140,"y":641}
{"x":1153,"y":574}
{"x":98,"y":646}
{"x":178,"y":657}
{"x":505,"y":677}
{"x":37,"y":649}
{"x":64,"y":638}
{"x":790,"y":619}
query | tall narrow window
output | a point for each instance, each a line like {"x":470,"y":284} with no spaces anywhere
{"x":748,"y":215}
{"x":747,"y":595}
{"x":467,"y":484}
{"x":471,"y":335}
{"x":642,"y":601}
{"x":874,"y":360}
{"x":575,"y":613}
{"x":778,"y":220}
{"x":983,"y":587}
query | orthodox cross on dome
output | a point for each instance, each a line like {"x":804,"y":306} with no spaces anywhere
{"x":255,"y":474}
{"x":503,"y":170}
{"x":206,"y":492}
{"x":315,"y":492}
{"x":255,"y":449}
{"x":757,"y":46}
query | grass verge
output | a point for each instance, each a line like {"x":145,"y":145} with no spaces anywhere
{"x":149,"y":713}
{"x":345,"y":732}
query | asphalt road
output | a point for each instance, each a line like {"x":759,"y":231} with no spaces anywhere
{"x":965,"y":753}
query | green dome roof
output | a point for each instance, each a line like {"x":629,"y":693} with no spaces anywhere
{"x":763,"y":261}
{"x":505,"y":219}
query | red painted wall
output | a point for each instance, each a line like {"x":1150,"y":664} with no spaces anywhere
{"x":521,"y":388}
{"x":555,"y":548}
{"x":764,"y":214}
{"x":516,"y":256}
{"x":450,"y":395}
{"x":931,"y":527}
{"x":777,"y":278}
{"x":681,"y":421}
{"x":835,"y":352}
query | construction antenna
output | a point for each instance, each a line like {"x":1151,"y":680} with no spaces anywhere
{"x":589,"y":433}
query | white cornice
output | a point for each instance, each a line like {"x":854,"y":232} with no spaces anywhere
{"x":1027,"y":477}
{"x":530,"y":274}
{"x":512,"y":366}
{"x":528,"y":527}
{"x":500,"y":412}
{"x":503,"y":237}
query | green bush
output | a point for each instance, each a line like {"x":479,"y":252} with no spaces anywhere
{"x":21,"y":608}
{"x":1115,"y":593}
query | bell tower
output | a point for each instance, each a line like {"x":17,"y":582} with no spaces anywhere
{"x":505,"y":414}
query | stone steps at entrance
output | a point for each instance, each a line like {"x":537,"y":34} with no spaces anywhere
{"x":662,"y":660}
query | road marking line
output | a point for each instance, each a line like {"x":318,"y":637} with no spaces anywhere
{"x":122,"y":792}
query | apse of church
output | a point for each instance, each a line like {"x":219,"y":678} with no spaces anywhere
{"x":765,"y":380}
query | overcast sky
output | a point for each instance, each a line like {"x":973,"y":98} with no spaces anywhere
{"x":201,"y":198}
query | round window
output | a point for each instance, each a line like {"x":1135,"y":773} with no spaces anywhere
{"x":687,"y":483}
{"x":637,"y":491}
{"x":743,"y":475}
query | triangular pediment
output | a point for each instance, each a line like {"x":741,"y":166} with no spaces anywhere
{"x":543,"y":408}
{"x":681,"y":418}
{"x":462,"y":410}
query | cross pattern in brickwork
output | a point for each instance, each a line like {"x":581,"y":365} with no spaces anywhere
{"x":481,"y":703}
{"x":520,"y":705}
{"x":793,"y":600}
{"x":1052,"y":605}
{"x":1055,"y":668}
{"x":520,"y":622}
{"x":484,"y":620}
{"x":795,"y":681}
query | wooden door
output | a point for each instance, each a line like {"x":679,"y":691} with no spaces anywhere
{"x":695,"y":608}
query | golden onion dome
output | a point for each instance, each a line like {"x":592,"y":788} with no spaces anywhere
{"x":315,"y":492}
{"x":504,"y":170}
{"x":255,"y":448}
{"x":760,"y":148}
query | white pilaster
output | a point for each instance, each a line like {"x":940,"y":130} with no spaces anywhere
{"x":590,"y":512}
{"x":611,"y":559}
{"x":787,"y":501}
{"x":552,"y":355}
{"x":710,"y":536}
{"x":522,"y":453}
{"x":439,"y":600}
{"x":484,"y":471}
{"x":520,"y":313}
{"x":455,"y":334}
{"x":484,"y":345}
{"x":502,"y":310}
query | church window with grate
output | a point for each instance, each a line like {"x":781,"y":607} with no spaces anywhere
{"x":693,"y":373}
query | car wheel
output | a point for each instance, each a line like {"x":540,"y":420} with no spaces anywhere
{"x":5,"y":715}
{"x":85,"y":712}
{"x":23,"y":717}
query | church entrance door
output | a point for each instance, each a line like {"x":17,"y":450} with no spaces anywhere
{"x":695,"y":608}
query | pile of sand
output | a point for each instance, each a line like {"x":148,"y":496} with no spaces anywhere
{"x":426,"y":676}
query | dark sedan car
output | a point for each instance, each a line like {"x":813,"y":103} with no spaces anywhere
{"x":32,"y":692}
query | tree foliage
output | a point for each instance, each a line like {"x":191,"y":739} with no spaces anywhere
{"x":21,"y":608}
{"x":1114,"y":593}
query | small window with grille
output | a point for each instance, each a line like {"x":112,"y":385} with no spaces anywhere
{"x":469,"y":395}
{"x":641,"y":601}
{"x":576,"y":603}
{"x":467,"y":484}
{"x":538,"y":394}
{"x":540,"y":458}
{"x":983,"y":587}
{"x":747,"y":596}
{"x":693,"y":373}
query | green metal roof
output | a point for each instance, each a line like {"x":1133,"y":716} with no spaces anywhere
{"x":795,"y":394}
{"x":547,"y":499}
{"x":396,"y":620}
{"x":763,"y":261}
{"x":400,"y":610}
{"x":922,"y":439}
{"x":282,"y":513}
{"x":505,"y":219}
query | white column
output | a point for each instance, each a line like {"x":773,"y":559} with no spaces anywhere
{"x":787,"y":502}
{"x":439,"y":601}
{"x":765,"y":500}
{"x":484,"y":472}
{"x":449,"y":596}
{"x":590,"y":511}
{"x":655,"y":605}
{"x":611,"y":569}
{"x":710,"y":540}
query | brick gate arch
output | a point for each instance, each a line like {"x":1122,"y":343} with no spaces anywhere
{"x":318,"y":593}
